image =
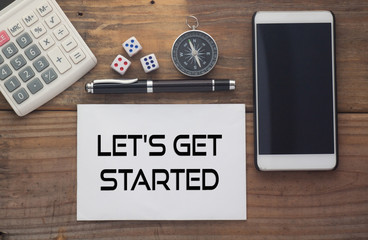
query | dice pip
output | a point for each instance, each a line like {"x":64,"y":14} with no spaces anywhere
{"x":132,"y":46}
{"x":149,"y":63}
{"x":120,"y":64}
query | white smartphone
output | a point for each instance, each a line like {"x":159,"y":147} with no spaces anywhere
{"x":295,"y":91}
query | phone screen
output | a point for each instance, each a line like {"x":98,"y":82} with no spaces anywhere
{"x":295,"y":88}
{"x":5,"y":3}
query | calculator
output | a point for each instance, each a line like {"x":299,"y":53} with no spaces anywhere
{"x":41,"y":53}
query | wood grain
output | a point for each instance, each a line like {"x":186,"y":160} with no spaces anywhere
{"x":38,"y":152}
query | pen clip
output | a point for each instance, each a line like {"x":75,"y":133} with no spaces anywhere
{"x":118,"y":81}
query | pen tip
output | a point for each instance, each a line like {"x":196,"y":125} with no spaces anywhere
{"x":232,"y":84}
{"x":89,"y":87}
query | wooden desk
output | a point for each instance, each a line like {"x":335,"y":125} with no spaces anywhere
{"x":38,"y":152}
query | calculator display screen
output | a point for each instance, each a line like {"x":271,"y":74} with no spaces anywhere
{"x":5,"y":3}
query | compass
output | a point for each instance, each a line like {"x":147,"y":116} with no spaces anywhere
{"x":194,"y":52}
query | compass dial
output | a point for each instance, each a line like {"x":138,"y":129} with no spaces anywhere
{"x":194,"y":53}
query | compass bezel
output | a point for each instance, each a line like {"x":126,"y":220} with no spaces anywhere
{"x":190,"y":34}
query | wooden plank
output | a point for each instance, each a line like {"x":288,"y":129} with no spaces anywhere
{"x":38,"y":190}
{"x":105,"y":26}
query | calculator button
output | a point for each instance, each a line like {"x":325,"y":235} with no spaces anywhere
{"x":20,"y":96}
{"x":16,"y":29}
{"x":10,"y":50}
{"x":12,"y":84}
{"x":24,"y":40}
{"x":44,"y":9}
{"x":4,"y":38}
{"x":61,"y":32}
{"x":30,"y":18}
{"x":1,"y":59}
{"x":26,"y":74}
{"x":52,"y":21}
{"x":77,"y":56}
{"x":49,"y":75}
{"x":69,"y":44}
{"x":60,"y":61}
{"x":32,"y":52}
{"x":47,"y":42}
{"x":38,"y":30}
{"x":35,"y":85}
{"x":5,"y":72}
{"x":41,"y":64}
{"x":18,"y":62}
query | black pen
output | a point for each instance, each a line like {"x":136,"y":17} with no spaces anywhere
{"x":151,"y":86}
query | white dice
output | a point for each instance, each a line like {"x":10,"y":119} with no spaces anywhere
{"x":120,"y":64}
{"x":132,"y":46}
{"x":149,"y":63}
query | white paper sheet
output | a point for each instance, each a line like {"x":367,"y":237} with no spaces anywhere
{"x":199,"y":172}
